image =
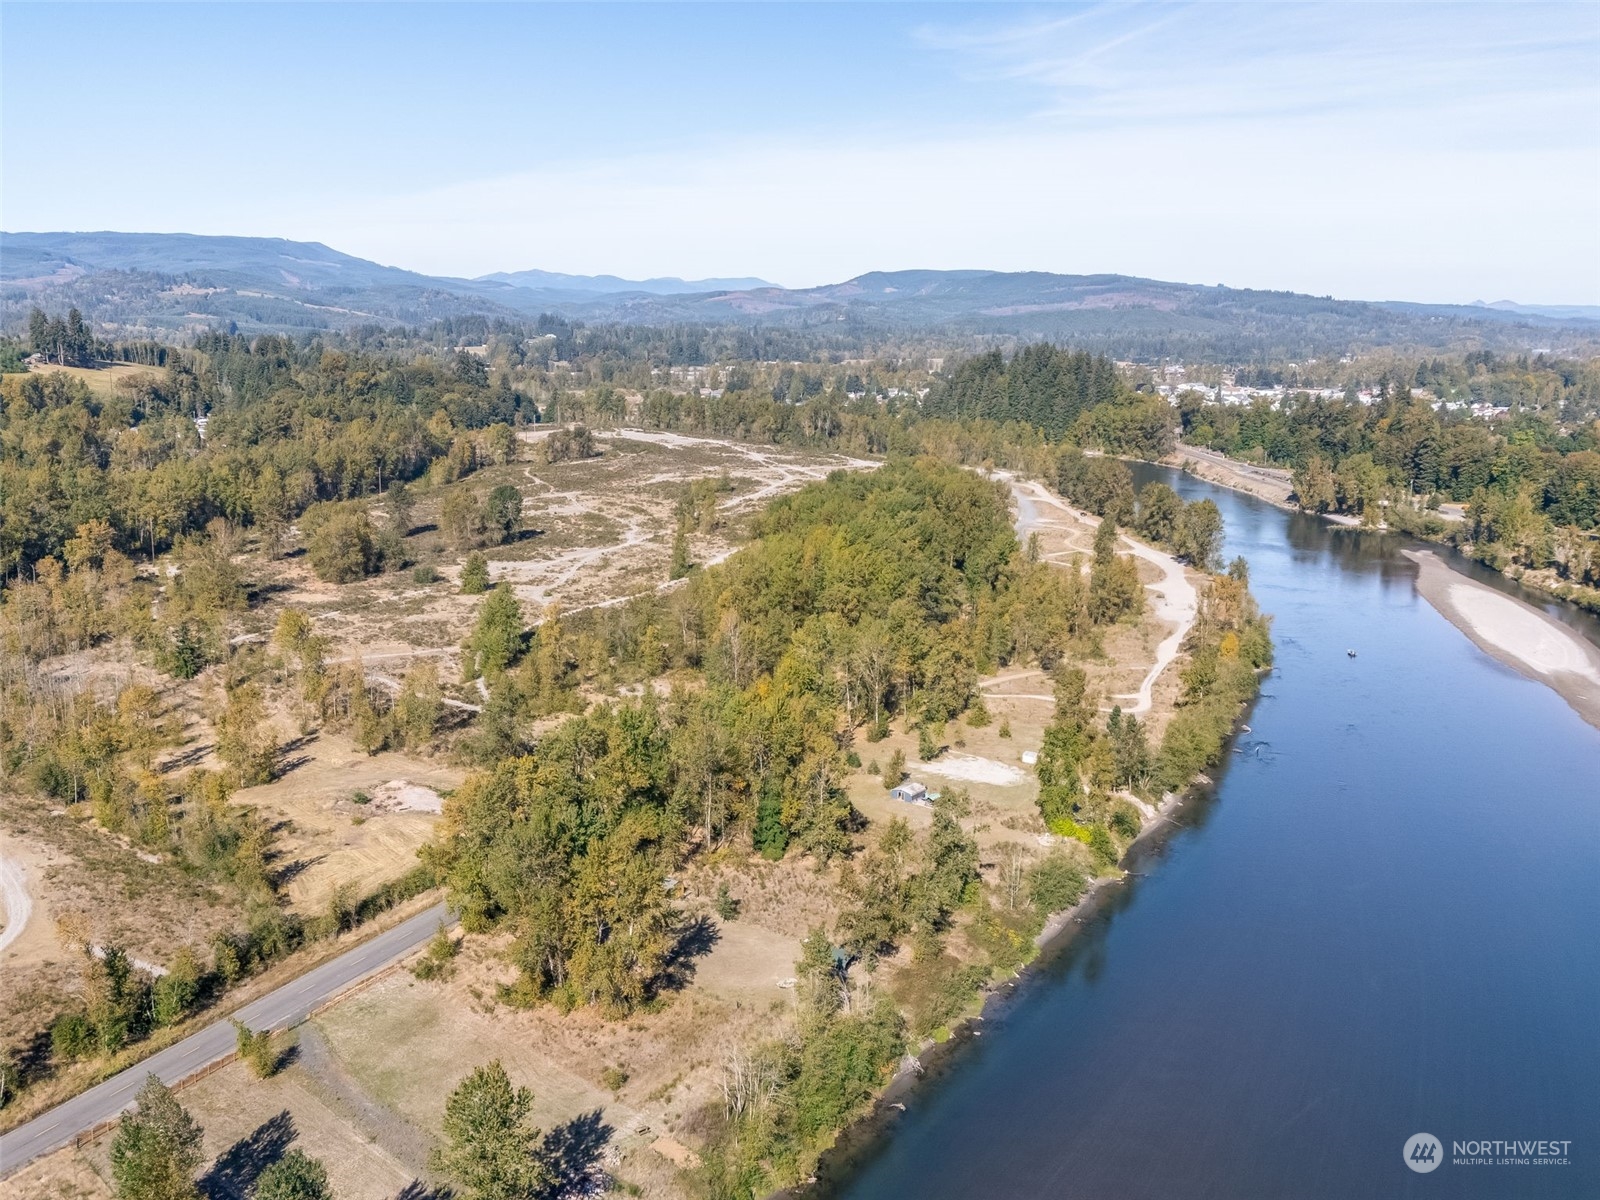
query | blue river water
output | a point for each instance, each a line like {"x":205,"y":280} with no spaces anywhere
{"x":1384,"y":920}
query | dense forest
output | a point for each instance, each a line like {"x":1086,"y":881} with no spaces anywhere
{"x":284,"y":427}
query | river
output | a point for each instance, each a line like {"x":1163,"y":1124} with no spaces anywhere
{"x":1382,"y":922}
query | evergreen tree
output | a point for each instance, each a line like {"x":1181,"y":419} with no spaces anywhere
{"x":503,"y":512}
{"x":496,"y":640}
{"x":295,"y":1176}
{"x":475,"y":575}
{"x":489,"y":1148}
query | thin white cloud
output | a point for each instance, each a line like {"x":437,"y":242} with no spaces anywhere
{"x":1188,"y":63}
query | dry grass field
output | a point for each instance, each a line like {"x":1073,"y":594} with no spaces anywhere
{"x":366,"y":1081}
{"x":70,"y":865}
{"x":596,"y":531}
{"x":100,"y":380}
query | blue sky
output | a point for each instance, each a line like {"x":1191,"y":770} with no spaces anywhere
{"x":1421,"y":151}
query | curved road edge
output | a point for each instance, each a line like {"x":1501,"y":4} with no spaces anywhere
{"x":283,"y":1008}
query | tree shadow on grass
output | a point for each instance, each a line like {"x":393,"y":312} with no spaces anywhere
{"x":186,"y":758}
{"x":697,"y":938}
{"x":573,"y":1151}
{"x":291,"y":870}
{"x":233,"y":1176}
{"x":417,"y":1190}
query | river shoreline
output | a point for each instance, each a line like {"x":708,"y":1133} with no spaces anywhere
{"x":1061,"y":931}
{"x":1264,"y":483}
{"x":1514,"y":633}
{"x":1261,"y":991}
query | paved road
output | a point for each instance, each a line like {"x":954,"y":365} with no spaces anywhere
{"x":287,"y":1006}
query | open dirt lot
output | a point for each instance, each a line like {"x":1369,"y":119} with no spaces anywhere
{"x":327,"y":836}
{"x":366,"y":1081}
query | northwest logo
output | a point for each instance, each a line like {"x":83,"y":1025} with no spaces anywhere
{"x":1422,"y":1152}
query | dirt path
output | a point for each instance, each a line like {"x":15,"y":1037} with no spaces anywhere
{"x":777,"y":469}
{"x":18,"y":903}
{"x":1176,"y":601}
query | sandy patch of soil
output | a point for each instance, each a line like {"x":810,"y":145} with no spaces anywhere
{"x":398,"y":795}
{"x":1515,"y":633}
{"x":969,"y":768}
{"x":15,"y":901}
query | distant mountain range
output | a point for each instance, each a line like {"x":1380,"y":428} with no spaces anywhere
{"x":166,"y":284}
{"x":1561,"y":312}
{"x":604,"y":284}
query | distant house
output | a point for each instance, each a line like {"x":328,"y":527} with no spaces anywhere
{"x":910,"y":792}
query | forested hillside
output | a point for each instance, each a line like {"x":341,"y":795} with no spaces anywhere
{"x":146,"y":284}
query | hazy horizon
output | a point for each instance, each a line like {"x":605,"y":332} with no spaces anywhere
{"x":1431,"y":153}
{"x":681,"y":278}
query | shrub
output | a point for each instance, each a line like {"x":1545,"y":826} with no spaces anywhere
{"x":175,"y":993}
{"x":295,"y":1176}
{"x":1102,"y":847}
{"x":72,"y":1037}
{"x":1125,"y":821}
{"x":727,"y":905}
{"x":257,"y":1049}
{"x":1055,"y":884}
{"x":425,"y":575}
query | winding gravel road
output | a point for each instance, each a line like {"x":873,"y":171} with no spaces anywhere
{"x":287,"y":1006}
{"x":1176,"y":599}
{"x":18,"y":904}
